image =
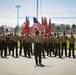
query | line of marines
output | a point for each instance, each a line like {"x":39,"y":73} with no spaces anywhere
{"x":51,"y":44}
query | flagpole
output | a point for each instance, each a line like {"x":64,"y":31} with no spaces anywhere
{"x":37,"y":9}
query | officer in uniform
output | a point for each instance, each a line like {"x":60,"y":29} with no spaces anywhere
{"x":49,"y":44}
{"x":43,"y":46}
{"x":21,"y":39}
{"x":64,"y":39}
{"x":37,"y":39}
{"x":0,"y":42}
{"x":71,"y":45}
{"x":24,"y":46}
{"x":16,"y":39}
{"x":4,"y":44}
{"x":8,"y":43}
{"x":31,"y":41}
{"x":27,"y":44}
{"x":54,"y":37}
{"x":57,"y":45}
{"x":12,"y":44}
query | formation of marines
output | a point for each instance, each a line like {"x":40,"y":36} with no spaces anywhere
{"x":49,"y":45}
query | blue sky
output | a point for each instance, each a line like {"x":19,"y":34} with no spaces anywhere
{"x":60,"y":11}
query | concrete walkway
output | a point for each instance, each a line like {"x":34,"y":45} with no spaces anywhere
{"x":26,"y":66}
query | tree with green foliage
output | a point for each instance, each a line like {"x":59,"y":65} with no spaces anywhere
{"x":67,"y":28}
{"x":73,"y":27}
{"x":1,"y":28}
{"x":17,"y":28}
{"x":62,"y":27}
{"x":58,"y":28}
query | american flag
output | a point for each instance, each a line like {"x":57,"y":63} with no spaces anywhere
{"x":37,"y":25}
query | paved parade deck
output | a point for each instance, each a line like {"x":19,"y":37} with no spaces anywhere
{"x":26,"y":66}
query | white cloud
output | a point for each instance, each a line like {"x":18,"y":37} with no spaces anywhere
{"x":65,"y":8}
{"x":73,"y":8}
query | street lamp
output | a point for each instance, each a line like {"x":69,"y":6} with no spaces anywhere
{"x":18,"y":6}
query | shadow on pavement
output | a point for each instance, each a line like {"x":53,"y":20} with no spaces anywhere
{"x":41,"y":65}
